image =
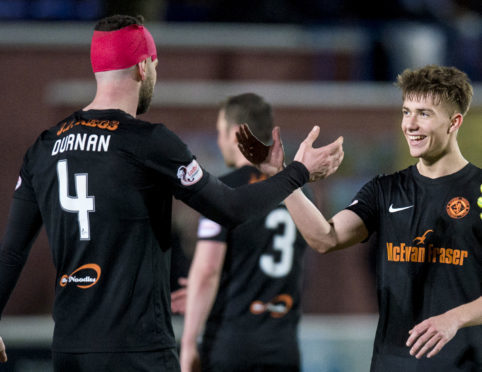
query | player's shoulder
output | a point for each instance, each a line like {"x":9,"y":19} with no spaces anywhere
{"x":474,"y":170}
{"x":397,"y":177}
{"x":241,"y":176}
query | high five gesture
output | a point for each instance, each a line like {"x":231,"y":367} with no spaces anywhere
{"x":320,"y":162}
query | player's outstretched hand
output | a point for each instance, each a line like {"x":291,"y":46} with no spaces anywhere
{"x":268,"y":159}
{"x":3,"y":353}
{"x":431,"y":335}
{"x":179,"y":297}
{"x":322,"y":161}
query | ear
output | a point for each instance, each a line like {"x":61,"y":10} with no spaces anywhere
{"x":455,"y":122}
{"x":141,"y":70}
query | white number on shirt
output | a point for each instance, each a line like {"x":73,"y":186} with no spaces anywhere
{"x":283,"y":242}
{"x":81,"y":204}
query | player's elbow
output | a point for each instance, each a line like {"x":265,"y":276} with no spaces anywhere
{"x":321,"y":247}
{"x":322,"y":243}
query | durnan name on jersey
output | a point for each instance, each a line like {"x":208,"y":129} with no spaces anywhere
{"x":82,"y":142}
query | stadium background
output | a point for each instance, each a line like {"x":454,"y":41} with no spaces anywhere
{"x":317,"y":62}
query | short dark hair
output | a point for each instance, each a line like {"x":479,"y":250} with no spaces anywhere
{"x":251,"y":109}
{"x":118,"y":21}
{"x":443,"y":84}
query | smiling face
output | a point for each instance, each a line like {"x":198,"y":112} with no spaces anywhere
{"x":430,"y":128}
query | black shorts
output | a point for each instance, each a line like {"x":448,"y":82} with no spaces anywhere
{"x":165,"y":360}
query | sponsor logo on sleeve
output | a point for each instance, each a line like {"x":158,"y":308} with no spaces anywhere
{"x":277,"y":307}
{"x":458,"y":207}
{"x":83,"y":277}
{"x":190,"y":174}
{"x":19,"y":183}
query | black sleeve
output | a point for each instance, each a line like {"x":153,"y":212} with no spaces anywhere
{"x":23,"y":224}
{"x":365,"y":205}
{"x":230,"y":207}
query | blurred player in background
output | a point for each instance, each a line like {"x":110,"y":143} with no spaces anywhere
{"x":244,"y":283}
{"x":101,"y":182}
{"x":429,"y":234}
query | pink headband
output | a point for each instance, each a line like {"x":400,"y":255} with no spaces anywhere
{"x":120,"y":49}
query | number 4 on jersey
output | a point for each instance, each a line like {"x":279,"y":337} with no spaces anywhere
{"x":81,"y":204}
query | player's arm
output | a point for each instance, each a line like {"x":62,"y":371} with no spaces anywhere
{"x":23,"y":225}
{"x":204,"y":277}
{"x":343,"y":230}
{"x":233,"y":206}
{"x":431,"y":335}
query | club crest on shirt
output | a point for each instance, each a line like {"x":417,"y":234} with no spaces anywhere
{"x":19,"y":183}
{"x":190,"y":174}
{"x":458,"y":207}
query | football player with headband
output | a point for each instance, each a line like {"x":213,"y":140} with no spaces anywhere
{"x":101,"y":182}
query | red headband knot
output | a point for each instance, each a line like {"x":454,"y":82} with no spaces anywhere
{"x":120,"y":49}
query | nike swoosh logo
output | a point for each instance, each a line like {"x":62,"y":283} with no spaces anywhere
{"x":393,"y":210}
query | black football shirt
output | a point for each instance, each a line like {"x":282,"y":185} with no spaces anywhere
{"x":429,"y":260}
{"x":103,"y":182}
{"x":257,"y":309}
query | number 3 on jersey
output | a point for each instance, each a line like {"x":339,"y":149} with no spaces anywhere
{"x":82,"y":204}
{"x":283,"y":242}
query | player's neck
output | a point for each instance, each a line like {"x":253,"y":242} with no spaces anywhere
{"x":448,"y":164}
{"x":115,"y":96}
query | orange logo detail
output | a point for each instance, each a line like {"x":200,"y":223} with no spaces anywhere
{"x":458,"y":207}
{"x":277,"y":307}
{"x":255,"y":178}
{"x":82,"y":281}
{"x":101,"y":124}
{"x":424,"y":251}
{"x":421,"y":239}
